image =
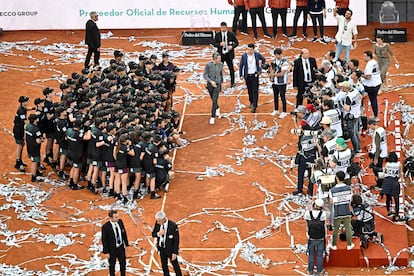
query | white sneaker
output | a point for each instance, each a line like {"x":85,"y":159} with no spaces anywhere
{"x":275,"y":112}
{"x":282,"y":115}
{"x":334,"y":247}
{"x":218,"y":112}
{"x":212,"y":121}
{"x":349,"y":247}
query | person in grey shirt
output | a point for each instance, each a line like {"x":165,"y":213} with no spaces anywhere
{"x":213,"y":74}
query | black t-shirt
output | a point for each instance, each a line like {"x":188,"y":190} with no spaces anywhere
{"x":33,"y":133}
{"x":96,"y":137}
{"x":75,"y":142}
{"x":121,"y":157}
{"x":20,"y":117}
{"x":61,"y":128}
{"x":151,"y":153}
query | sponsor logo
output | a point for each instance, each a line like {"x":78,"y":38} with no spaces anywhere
{"x":18,"y":13}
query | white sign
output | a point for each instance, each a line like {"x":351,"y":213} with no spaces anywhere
{"x":138,"y":14}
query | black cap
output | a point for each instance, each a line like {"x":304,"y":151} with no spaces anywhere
{"x":47,"y":90}
{"x":75,"y":76}
{"x":82,"y":105}
{"x":125,"y":82}
{"x":23,"y":99}
{"x":38,"y":101}
{"x":176,"y":69}
{"x":148,"y":62}
{"x":63,"y":86}
{"x":153,"y":56}
{"x":85,"y":71}
{"x":142,"y":57}
{"x":33,"y":117}
{"x":120,"y":68}
{"x":118,"y":53}
{"x":70,"y":81}
{"x":165,"y":54}
{"x":139,"y":73}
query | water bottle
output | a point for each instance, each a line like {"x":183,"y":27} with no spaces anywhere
{"x":389,"y":83}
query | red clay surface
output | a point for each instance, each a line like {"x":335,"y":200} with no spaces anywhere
{"x":214,"y":199}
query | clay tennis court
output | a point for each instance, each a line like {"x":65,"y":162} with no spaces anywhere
{"x":231,"y":194}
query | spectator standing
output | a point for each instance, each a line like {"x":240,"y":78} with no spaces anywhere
{"x":316,"y":233}
{"x":115,"y":242}
{"x":226,"y":42}
{"x":383,"y":52}
{"x":213,"y":74}
{"x":279,"y":71}
{"x":317,"y":12}
{"x":372,"y":80}
{"x":301,"y":7}
{"x":346,"y":37}
{"x":168,"y":242}
{"x":304,"y":69}
{"x":279,"y":7}
{"x":239,"y":9}
{"x":250,"y":69}
{"x":256,"y":9}
{"x":93,"y":40}
{"x":340,"y":196}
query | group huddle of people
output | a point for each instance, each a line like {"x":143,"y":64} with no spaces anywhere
{"x":117,"y":121}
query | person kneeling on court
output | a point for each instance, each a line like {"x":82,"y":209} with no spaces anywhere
{"x":363,"y":224}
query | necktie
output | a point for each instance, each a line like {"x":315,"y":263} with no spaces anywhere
{"x":162,"y":238}
{"x":118,"y":236}
{"x":224,"y":40}
{"x":308,"y":74}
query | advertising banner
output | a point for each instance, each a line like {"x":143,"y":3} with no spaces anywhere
{"x":139,"y":14}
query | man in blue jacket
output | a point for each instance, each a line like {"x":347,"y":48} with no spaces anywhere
{"x":250,"y":69}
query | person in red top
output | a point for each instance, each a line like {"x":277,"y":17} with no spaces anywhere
{"x":279,"y":7}
{"x":239,"y":8}
{"x":256,"y":8}
{"x":301,"y":6}
{"x":343,"y":6}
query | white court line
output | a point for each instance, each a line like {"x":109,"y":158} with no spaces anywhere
{"x":164,"y":199}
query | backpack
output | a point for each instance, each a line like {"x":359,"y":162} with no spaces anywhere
{"x":316,"y":227}
{"x":353,"y":169}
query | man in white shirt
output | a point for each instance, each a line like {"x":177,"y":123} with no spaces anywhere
{"x":372,"y":80}
{"x":346,"y":37}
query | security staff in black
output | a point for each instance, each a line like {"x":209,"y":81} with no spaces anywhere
{"x":307,"y":155}
{"x":34,"y":139}
{"x":18,"y":131}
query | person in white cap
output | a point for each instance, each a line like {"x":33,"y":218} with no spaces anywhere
{"x":316,"y":233}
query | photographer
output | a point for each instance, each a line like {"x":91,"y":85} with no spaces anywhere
{"x":379,"y":148}
{"x":305,"y":157}
{"x":341,"y":159}
{"x":279,"y":70}
{"x":352,"y":106}
{"x":329,"y":145}
{"x":334,"y":114}
{"x":329,"y":72}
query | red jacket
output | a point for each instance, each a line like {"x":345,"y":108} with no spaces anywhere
{"x":301,"y":3}
{"x":279,"y":4}
{"x":251,"y":4}
{"x":237,"y":2}
{"x":343,"y":4}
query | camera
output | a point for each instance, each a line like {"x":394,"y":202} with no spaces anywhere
{"x":311,"y":132}
{"x":296,"y":131}
{"x":266,"y":66}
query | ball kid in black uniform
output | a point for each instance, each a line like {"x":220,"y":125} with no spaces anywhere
{"x":34,"y":139}
{"x":20,"y":120}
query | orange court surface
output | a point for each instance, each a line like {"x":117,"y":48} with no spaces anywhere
{"x":232,"y":191}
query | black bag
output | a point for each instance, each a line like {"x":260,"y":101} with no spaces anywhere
{"x":364,"y":121}
{"x":316,"y":227}
{"x":353,"y":169}
{"x":408,"y":167}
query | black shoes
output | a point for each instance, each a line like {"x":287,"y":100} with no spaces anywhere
{"x":155,"y":196}
{"x":19,"y":166}
{"x":296,"y":193}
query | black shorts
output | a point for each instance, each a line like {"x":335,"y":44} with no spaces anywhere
{"x":75,"y":159}
{"x":18,"y":133}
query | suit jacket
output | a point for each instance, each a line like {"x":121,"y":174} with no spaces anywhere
{"x":299,"y":75}
{"x":231,"y":41}
{"x":109,"y":239}
{"x":172,"y":241}
{"x":243,"y":69}
{"x":92,"y":35}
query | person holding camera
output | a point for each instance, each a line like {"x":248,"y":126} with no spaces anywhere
{"x":279,"y":70}
{"x":213,"y":74}
{"x":316,"y":234}
{"x":352,"y":107}
{"x":334,"y":114}
{"x":305,"y":158}
{"x":304,"y":69}
{"x":341,"y":159}
{"x":390,"y":186}
{"x":379,"y":148}
{"x":249,"y":70}
{"x":346,"y":37}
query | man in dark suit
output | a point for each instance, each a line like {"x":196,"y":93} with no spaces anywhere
{"x":115,"y":242}
{"x":303,"y":74}
{"x":226,"y":41}
{"x":168,"y":241}
{"x":93,"y":40}
{"x":250,"y":68}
